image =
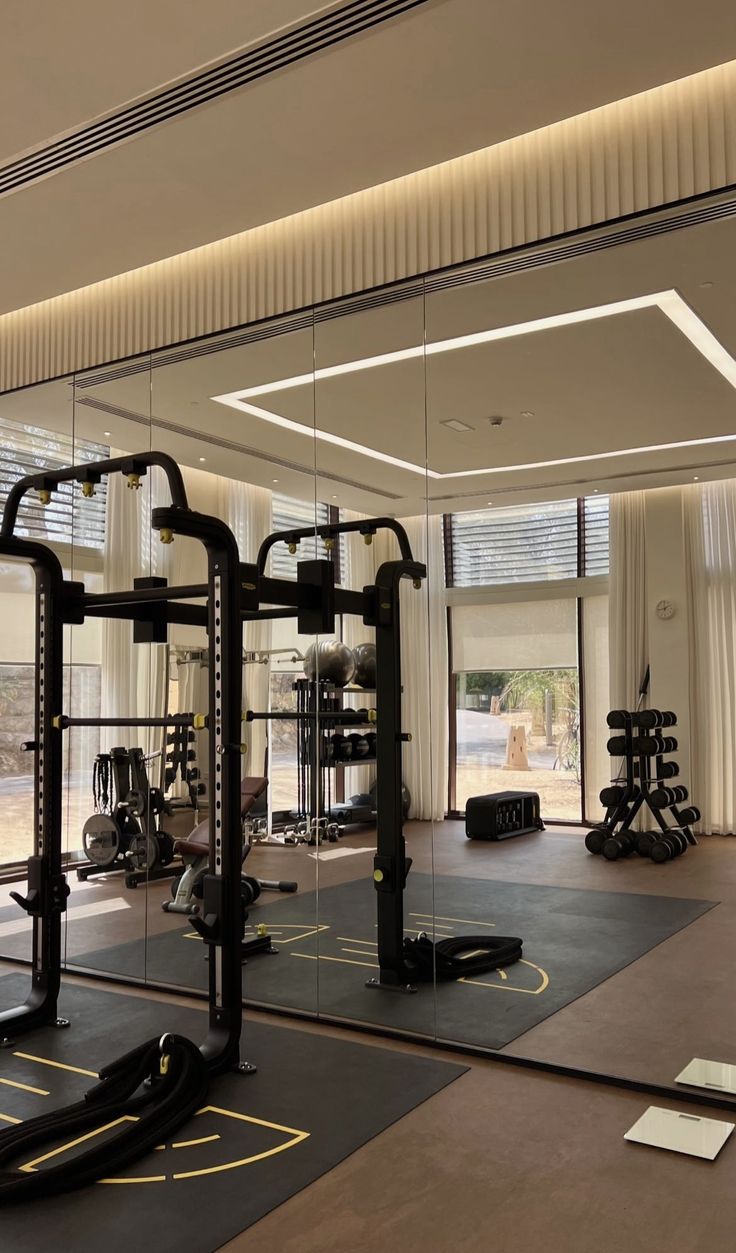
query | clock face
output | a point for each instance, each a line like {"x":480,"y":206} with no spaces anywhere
{"x":665,"y":609}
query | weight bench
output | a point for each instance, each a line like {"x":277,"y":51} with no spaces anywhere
{"x":195,"y":854}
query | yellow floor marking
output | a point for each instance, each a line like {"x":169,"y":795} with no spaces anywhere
{"x":8,"y":1118}
{"x":25,"y":1087}
{"x":473,"y":922}
{"x":190,"y":1144}
{"x":72,"y":1144}
{"x":303,"y":935}
{"x":345,"y":960}
{"x":45,"y":1061}
{"x":350,"y":939}
{"x":510,"y":987}
{"x":296,"y":1138}
{"x":358,"y":952}
{"x":139,"y":1179}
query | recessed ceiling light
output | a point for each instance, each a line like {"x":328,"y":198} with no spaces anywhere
{"x":456,"y":425}
{"x":490,"y":502}
{"x":274,"y":480}
{"x":670,"y":303}
{"x":705,"y":284}
{"x":334,"y":497}
{"x":105,"y":432}
{"x":696,"y":477}
{"x":527,"y":413}
{"x":202,"y":458}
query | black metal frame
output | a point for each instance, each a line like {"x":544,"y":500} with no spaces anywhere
{"x":234,"y":592}
{"x":59,"y":602}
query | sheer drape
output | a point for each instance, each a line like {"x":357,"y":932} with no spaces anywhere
{"x":627,"y":618}
{"x":424,"y":672}
{"x":710,"y":547}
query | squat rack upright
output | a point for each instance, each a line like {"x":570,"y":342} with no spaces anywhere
{"x":235,"y":592}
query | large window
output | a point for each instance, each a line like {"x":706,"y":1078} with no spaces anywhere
{"x":518,"y":651}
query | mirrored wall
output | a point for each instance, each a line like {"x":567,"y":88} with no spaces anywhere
{"x":546,"y":443}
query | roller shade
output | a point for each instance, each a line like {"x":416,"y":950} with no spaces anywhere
{"x":525,"y":635}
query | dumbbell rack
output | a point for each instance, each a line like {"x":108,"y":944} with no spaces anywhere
{"x":642,"y":744}
{"x":315,"y":763}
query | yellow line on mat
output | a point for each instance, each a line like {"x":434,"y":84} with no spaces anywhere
{"x":45,"y":1061}
{"x":25,"y":1087}
{"x":345,"y":960}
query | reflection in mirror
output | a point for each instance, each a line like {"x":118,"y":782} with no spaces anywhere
{"x":372,"y":674}
{"x":37,"y":431}
{"x":112,"y":766}
{"x":579,"y":415}
{"x":256,"y":480}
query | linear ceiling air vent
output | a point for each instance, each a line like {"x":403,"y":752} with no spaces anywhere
{"x":254,"y":62}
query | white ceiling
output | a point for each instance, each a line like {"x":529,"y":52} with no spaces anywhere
{"x":449,"y":77}
{"x":628,"y":381}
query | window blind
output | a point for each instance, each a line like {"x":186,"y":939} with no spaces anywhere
{"x":68,"y":518}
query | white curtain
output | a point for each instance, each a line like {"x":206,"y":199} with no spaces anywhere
{"x":627,"y":621}
{"x":710,"y":547}
{"x":248,"y":512}
{"x":424,"y":669}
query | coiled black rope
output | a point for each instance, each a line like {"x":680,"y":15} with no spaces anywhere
{"x":101,"y":783}
{"x":460,"y":955}
{"x":179,"y":1080}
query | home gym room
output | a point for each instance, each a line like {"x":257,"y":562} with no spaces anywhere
{"x":551,"y":587}
{"x":472,"y":734}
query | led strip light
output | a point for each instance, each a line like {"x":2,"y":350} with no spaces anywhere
{"x":669,"y":302}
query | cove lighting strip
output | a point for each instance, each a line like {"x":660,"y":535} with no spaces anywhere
{"x":670,"y":303}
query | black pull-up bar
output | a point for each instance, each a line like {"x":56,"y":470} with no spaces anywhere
{"x":365,"y":526}
{"x":134,"y":465}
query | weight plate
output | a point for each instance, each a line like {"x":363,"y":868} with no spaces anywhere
{"x":143,"y":852}
{"x":101,"y":839}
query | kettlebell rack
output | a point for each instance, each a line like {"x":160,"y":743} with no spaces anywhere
{"x":644,"y":782}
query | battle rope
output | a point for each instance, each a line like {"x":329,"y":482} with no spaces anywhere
{"x":101,"y":783}
{"x":445,"y":958}
{"x":179,"y":1080}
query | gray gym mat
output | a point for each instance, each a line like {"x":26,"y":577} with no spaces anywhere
{"x":312,"y":1102}
{"x":573,"y":940}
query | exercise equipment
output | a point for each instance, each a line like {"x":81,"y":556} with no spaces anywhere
{"x":179,"y":1071}
{"x":501,"y":815}
{"x":195,"y":853}
{"x":330,"y":660}
{"x":641,"y":783}
{"x":365,"y":665}
{"x":126,"y":832}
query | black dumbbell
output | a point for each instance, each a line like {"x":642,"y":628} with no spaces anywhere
{"x":689,"y":816}
{"x":668,"y":770}
{"x":342,"y":748}
{"x":662,"y":797}
{"x":618,"y":719}
{"x":360,"y":745}
{"x":643,"y":745}
{"x":621,"y":845}
{"x":596,"y":838}
{"x":665,"y":847}
{"x":651,"y":718}
{"x":371,"y":739}
{"x":611,"y":796}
